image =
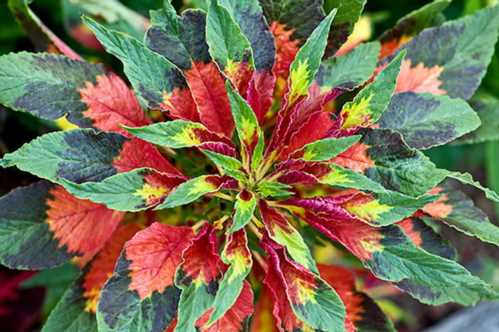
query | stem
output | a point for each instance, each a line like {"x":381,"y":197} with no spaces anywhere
{"x":223,"y":196}
{"x":260,"y":259}
{"x":255,"y":230}
{"x":218,"y":224}
{"x":198,"y":225}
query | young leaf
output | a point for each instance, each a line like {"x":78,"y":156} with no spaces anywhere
{"x":306,"y":64}
{"x":349,"y":71}
{"x":141,"y":294}
{"x":192,"y":190}
{"x":243,"y":211}
{"x":282,"y":232}
{"x":151,"y":75}
{"x":370,"y":103}
{"x":238,"y":256}
{"x":427,"y":120}
{"x":247,"y":127}
{"x":459,"y":51}
{"x":45,"y":85}
{"x":227,"y":165}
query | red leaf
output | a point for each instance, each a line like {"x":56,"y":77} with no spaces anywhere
{"x":419,"y":79}
{"x":260,"y":93}
{"x":208,"y":90}
{"x":80,"y":225}
{"x":180,"y":104}
{"x":111,"y":103}
{"x":234,"y":318}
{"x":355,"y":158}
{"x":154,"y":255}
{"x":103,"y":264}
{"x":286,"y":49}
{"x":137,"y":153}
{"x":263,"y":320}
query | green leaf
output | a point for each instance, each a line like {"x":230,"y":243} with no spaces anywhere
{"x":26,"y":241}
{"x":150,"y":74}
{"x":351,"y":70}
{"x":244,"y":208}
{"x":191,"y":190}
{"x":247,"y":127}
{"x":411,"y":24}
{"x":45,"y":85}
{"x":78,"y":155}
{"x":427,"y":120}
{"x":249,"y":16}
{"x":308,"y":60}
{"x":328,"y":148}
{"x":370,"y":103}
{"x":228,"y":165}
{"x":174,"y":134}
{"x":466,"y":178}
{"x":491,"y":165}
{"x":70,"y":315}
{"x":128,"y":191}
{"x":349,"y":12}
{"x":274,"y":189}
{"x":227,"y":45}
{"x":487,"y":109}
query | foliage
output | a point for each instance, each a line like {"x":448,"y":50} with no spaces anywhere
{"x":297,"y":132}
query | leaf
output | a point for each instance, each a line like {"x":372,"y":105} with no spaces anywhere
{"x":408,"y":26}
{"x":349,"y":71}
{"x":84,"y":155}
{"x":136,"y":190}
{"x":198,"y":277}
{"x":112,"y":14}
{"x":175,"y":134}
{"x":349,"y":12}
{"x":38,"y":33}
{"x":237,"y":255}
{"x":39,"y":224}
{"x":236,"y":318}
{"x":250,"y":134}
{"x":327,"y":148}
{"x":227,"y":165}
{"x":370,"y":103}
{"x":308,"y":59}
{"x":363,"y":314}
{"x":282,"y":232}
{"x":76,"y":309}
{"x":274,"y":189}
{"x":111,"y":104}
{"x":45,"y":85}
{"x":150,"y":74}
{"x":243,"y":211}
{"x":182,"y":41}
{"x":312,"y":300}
{"x":192,"y":190}
{"x":227,"y":45}
{"x":249,"y":16}
{"x":392,"y":256}
{"x":141,"y":295}
{"x":488,"y":111}
{"x":466,"y":178}
{"x":492,"y":149}
{"x":426,"y":120}
{"x":461,"y":48}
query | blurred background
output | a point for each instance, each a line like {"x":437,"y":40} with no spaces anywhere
{"x":27,"y":297}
